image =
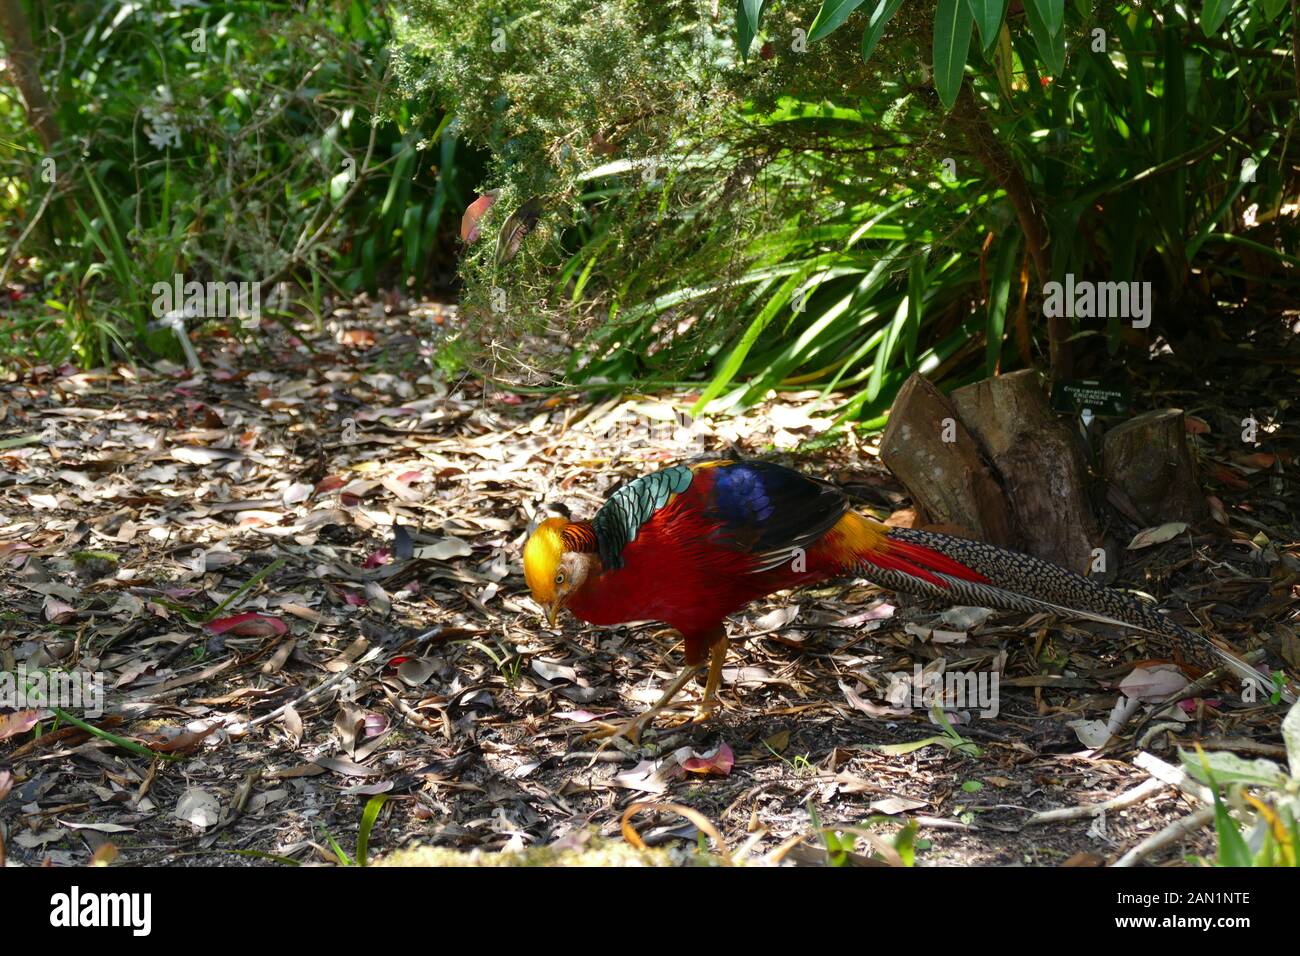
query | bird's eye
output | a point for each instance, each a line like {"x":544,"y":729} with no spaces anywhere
{"x":559,"y":578}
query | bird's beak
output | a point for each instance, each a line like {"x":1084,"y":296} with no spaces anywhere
{"x":552,"y":613}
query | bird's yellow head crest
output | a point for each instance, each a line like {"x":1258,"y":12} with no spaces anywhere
{"x":558,"y":557}
{"x":542,"y":556}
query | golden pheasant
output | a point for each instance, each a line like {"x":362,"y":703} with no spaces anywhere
{"x":691,"y":544}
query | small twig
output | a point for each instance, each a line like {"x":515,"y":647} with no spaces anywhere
{"x":1174,"y":776}
{"x":1170,"y":834}
{"x":1126,"y":799}
{"x":319,"y":689}
{"x":596,"y":756}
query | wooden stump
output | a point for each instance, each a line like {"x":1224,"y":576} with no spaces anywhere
{"x":1149,"y":461}
{"x":939,"y":462}
{"x":1040,"y":462}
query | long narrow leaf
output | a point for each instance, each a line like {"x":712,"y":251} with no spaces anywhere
{"x":1004,"y":267}
{"x":1051,"y":13}
{"x":884,"y":12}
{"x":731,"y":366}
{"x":952,"y":29}
{"x":748,"y":15}
{"x":988,"y":16}
{"x":830,"y":16}
{"x":1051,"y":46}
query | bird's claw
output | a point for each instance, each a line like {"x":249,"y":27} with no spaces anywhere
{"x":625,"y":736}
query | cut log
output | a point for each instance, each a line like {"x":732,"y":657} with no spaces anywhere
{"x":1040,"y":463}
{"x":939,"y":462}
{"x":1148,"y":460}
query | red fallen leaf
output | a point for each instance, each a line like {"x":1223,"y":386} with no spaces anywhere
{"x":1226,"y":476}
{"x":19,"y":722}
{"x":329,"y":483}
{"x":1259,"y":460}
{"x":376,"y":724}
{"x":1217,"y":511}
{"x":1189,"y":705}
{"x":380,"y":557}
{"x":719,"y":762}
{"x":361,"y":337}
{"x":56,"y":611}
{"x":185,"y":742}
{"x":9,"y":547}
{"x":349,"y":500}
{"x":248,"y":625}
{"x":583,"y":716}
{"x":507,"y":398}
{"x":469,"y":228}
{"x":407,"y":477}
{"x":352,"y":597}
{"x":1197,"y":426}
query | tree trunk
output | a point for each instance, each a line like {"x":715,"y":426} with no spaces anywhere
{"x":1149,"y":461}
{"x":1040,"y":463}
{"x":939,"y":462}
{"x":24,"y":65}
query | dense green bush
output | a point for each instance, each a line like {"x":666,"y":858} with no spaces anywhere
{"x":801,"y":215}
{"x":224,"y":141}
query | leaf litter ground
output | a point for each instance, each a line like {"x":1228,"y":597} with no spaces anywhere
{"x":298,"y":577}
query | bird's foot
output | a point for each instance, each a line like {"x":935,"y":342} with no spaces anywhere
{"x":625,"y":736}
{"x":706,"y":711}
{"x":629,"y":730}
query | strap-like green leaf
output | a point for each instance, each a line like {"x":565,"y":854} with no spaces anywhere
{"x":830,"y":16}
{"x":1004,"y":267}
{"x":1051,"y":12}
{"x":748,"y":15}
{"x":1213,"y":13}
{"x":1273,"y":7}
{"x":988,"y":16}
{"x":952,"y":29}
{"x":885,"y":9}
{"x":1051,"y":47}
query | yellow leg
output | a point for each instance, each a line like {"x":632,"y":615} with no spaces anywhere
{"x":717,"y":655}
{"x":631,"y":730}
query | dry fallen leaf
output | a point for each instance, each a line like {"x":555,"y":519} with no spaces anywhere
{"x":19,"y":722}
{"x":198,"y":807}
{"x":248,"y":625}
{"x":718,"y":761}
{"x":1157,"y":535}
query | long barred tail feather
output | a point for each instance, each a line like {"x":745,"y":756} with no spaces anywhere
{"x":1008,"y":580}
